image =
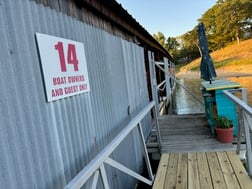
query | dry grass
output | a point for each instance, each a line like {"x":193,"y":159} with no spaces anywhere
{"x":234,"y":58}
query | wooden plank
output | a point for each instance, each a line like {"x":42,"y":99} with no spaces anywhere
{"x":194,"y":147}
{"x":181,"y":181}
{"x":240,"y":172}
{"x":215,"y":171}
{"x":204,"y":173}
{"x":171,"y":174}
{"x":193,"y":173}
{"x":189,"y":129}
{"x":161,"y":172}
{"x":187,"y":132}
{"x":186,"y":139}
{"x":220,"y":84}
{"x":228,"y":172}
{"x":206,"y":170}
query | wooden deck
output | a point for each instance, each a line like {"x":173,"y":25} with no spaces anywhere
{"x":192,"y":158}
{"x":188,"y":133}
{"x":201,"y":170}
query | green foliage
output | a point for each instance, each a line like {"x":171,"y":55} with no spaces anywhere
{"x":170,"y":44}
{"x":190,"y":45}
{"x":160,"y":38}
{"x":195,"y":68}
{"x":240,"y":62}
{"x":233,"y":57}
{"x":232,"y":62}
{"x":227,"y":21}
{"x":223,"y":122}
{"x":219,"y":64}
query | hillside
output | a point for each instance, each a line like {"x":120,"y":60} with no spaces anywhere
{"x":234,"y":59}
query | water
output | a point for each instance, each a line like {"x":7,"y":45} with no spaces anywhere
{"x":187,"y":104}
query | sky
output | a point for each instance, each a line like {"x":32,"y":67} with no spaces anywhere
{"x":171,"y":17}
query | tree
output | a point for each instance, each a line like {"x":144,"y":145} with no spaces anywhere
{"x":172,"y":46}
{"x":227,"y":21}
{"x":160,"y":38}
{"x":190,"y":44}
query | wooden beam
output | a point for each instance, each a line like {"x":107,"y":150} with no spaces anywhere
{"x":171,"y":174}
{"x":161,"y":174}
{"x":215,"y":171}
{"x":239,"y":170}
{"x":193,"y":171}
{"x":204,"y":174}
{"x":181,"y":181}
{"x":227,"y":171}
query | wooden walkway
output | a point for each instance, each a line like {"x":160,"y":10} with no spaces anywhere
{"x":188,"y":133}
{"x":192,"y":158}
{"x":201,"y":170}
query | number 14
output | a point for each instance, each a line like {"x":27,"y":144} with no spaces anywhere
{"x":71,"y":56}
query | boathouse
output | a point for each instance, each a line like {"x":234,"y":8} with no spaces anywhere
{"x":73,"y":75}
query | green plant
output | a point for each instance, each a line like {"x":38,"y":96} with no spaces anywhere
{"x":223,"y":122}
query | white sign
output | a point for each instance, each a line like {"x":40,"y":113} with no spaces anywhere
{"x":64,"y":66}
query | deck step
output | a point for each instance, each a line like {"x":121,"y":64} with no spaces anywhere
{"x":188,"y":133}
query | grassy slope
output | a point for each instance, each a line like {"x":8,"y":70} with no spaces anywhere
{"x":234,"y":58}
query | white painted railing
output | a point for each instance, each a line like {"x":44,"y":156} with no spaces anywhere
{"x":245,"y":122}
{"x":169,"y":73}
{"x":167,"y":85}
{"x":96,"y":167}
{"x":170,"y":78}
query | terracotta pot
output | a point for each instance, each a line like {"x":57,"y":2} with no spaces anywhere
{"x":224,"y":135}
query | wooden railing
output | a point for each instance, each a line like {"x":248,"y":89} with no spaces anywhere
{"x":244,"y":121}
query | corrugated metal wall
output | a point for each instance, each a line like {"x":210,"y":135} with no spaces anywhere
{"x":44,"y":145}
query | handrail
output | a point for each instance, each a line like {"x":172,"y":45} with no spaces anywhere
{"x":175,"y":80}
{"x":159,"y":86}
{"x":245,"y":122}
{"x":97,"y":164}
{"x":165,"y":72}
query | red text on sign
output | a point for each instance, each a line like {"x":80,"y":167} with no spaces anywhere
{"x":57,"y":92}
{"x":59,"y":80}
{"x":71,"y":56}
{"x":73,"y":79}
{"x":71,"y":89}
{"x":82,"y":87}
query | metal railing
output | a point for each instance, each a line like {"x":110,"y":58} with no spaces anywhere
{"x":96,"y":166}
{"x":167,"y":85}
{"x":174,"y":81}
{"x":169,"y":73}
{"x":245,"y":122}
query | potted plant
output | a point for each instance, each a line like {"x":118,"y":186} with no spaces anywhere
{"x":224,"y":129}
